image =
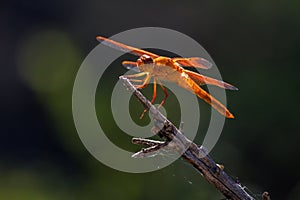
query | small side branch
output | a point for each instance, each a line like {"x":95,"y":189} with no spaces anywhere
{"x":197,"y":156}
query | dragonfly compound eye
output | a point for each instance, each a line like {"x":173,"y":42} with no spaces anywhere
{"x":146,"y":59}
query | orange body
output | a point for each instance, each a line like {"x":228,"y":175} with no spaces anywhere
{"x":162,"y":68}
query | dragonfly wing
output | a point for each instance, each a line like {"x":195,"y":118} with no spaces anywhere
{"x":131,"y":65}
{"x":202,"y":80}
{"x":196,"y":62}
{"x":124,"y":48}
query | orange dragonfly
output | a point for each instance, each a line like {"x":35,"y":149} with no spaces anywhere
{"x":160,"y":68}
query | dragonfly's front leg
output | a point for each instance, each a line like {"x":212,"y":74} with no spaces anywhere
{"x":146,"y":80}
{"x":129,"y":76}
{"x":145,"y":83}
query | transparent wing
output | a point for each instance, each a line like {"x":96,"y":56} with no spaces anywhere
{"x":124,"y":48}
{"x":196,"y":62}
{"x":202,"y":80}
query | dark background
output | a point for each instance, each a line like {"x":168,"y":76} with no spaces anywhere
{"x":256,"y":45}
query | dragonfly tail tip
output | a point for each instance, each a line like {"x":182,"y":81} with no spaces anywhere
{"x":229,"y":115}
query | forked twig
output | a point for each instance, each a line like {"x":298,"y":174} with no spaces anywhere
{"x":197,"y":156}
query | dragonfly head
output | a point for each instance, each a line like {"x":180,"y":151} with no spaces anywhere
{"x":145,"y":63}
{"x":145,"y":59}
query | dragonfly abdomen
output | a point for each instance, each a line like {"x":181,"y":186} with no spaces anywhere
{"x":187,"y":83}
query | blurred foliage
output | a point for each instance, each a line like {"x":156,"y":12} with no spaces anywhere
{"x":255,"y":45}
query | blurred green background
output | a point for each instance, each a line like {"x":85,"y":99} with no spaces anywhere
{"x":255,"y":44}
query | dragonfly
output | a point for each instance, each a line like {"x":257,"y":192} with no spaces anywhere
{"x":161,"y":68}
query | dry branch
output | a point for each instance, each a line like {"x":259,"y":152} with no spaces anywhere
{"x":197,"y":156}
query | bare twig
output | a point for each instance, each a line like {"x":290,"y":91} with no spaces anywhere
{"x":197,"y":156}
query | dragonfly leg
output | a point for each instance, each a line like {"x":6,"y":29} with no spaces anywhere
{"x":154,"y":91}
{"x":146,"y":80}
{"x":136,"y":80}
{"x":136,"y":75}
{"x":145,"y":83}
{"x":153,"y":99}
{"x":165,"y":92}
